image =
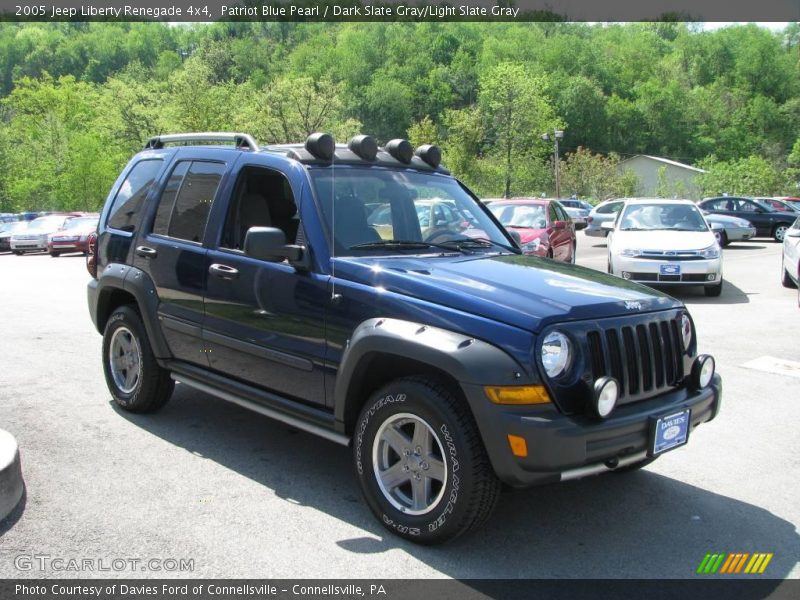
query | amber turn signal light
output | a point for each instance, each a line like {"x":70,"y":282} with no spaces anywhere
{"x":517,"y":394}
{"x":519,"y":447}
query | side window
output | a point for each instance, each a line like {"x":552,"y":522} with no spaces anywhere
{"x":128,"y":202}
{"x":553,"y":213}
{"x":261,"y":198}
{"x":562,"y":214}
{"x":745,"y":206}
{"x":187,"y":200}
{"x":167,"y":201}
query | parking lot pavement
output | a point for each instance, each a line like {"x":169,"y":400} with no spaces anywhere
{"x":243,"y":496}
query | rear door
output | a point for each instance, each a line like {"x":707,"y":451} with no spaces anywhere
{"x":265,"y":320}
{"x":170,"y":249}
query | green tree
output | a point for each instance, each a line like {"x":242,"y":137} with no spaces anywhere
{"x":517,"y":112}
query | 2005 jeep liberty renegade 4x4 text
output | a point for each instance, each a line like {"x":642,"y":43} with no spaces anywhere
{"x":363,"y":294}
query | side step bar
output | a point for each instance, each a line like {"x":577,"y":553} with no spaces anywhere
{"x":263,"y":408}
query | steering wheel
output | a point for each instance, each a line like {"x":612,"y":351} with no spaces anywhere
{"x":438,"y":232}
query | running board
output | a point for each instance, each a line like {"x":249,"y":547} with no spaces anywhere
{"x":272,"y":413}
{"x":598,"y":468}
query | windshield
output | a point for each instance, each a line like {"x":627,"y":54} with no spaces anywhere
{"x":82,"y":223}
{"x":676,"y":217}
{"x":529,"y":216}
{"x":46,"y":224}
{"x":16,"y":227}
{"x":373,"y":210}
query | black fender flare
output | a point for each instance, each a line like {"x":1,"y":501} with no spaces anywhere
{"x":465,"y":358}
{"x":139,"y":285}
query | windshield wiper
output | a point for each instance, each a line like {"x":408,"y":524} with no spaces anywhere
{"x":400,"y":245}
{"x":478,"y":242}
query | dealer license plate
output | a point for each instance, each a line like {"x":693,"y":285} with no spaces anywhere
{"x":670,"y":269}
{"x":669,"y":431}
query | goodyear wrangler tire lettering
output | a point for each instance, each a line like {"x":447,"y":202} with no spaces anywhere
{"x":421,"y":463}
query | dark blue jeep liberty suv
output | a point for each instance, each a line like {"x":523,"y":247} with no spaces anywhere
{"x":363,"y":294}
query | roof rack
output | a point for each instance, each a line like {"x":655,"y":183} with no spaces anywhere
{"x":242,"y":141}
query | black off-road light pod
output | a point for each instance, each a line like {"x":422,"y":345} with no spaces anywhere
{"x":400,"y":149}
{"x":430,"y":154}
{"x":321,"y":145}
{"x":364,"y":146}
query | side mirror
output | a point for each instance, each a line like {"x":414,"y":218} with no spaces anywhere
{"x":560,"y":225}
{"x":607,"y":225}
{"x":793,"y":233}
{"x":515,"y":236}
{"x":269,"y":243}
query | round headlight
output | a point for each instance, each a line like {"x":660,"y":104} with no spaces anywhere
{"x":686,"y":331}
{"x":606,"y":394}
{"x":555,"y":353}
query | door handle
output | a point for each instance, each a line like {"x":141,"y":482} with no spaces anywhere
{"x":223,"y":271}
{"x":146,"y":252}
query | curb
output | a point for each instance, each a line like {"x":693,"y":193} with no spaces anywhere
{"x":11,"y":485}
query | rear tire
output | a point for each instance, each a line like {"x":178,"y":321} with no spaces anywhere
{"x":713,"y":291}
{"x":574,"y":253}
{"x":18,"y":252}
{"x":421,"y":463}
{"x":779,"y":232}
{"x":136,"y":381}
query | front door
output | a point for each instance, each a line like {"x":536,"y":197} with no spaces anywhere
{"x":265,"y":321}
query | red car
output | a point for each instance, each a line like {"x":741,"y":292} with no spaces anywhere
{"x":544,"y":227}
{"x":74,"y":237}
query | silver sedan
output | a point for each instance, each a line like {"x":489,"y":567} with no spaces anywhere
{"x":729,"y":229}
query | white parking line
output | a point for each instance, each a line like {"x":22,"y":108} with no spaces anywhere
{"x":779,"y":366}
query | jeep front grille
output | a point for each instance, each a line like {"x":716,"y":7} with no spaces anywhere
{"x":646,"y":358}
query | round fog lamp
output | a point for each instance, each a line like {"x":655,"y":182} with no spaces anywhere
{"x":703,"y":370}
{"x":606,"y":394}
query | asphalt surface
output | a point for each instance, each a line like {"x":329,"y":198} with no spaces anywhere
{"x":244,"y":496}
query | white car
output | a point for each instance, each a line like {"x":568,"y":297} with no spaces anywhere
{"x":790,"y":267}
{"x":34,"y":238}
{"x":664,"y":242}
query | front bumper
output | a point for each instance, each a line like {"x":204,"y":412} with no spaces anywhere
{"x":562,"y":447}
{"x":740,"y":234}
{"x":29,"y":245}
{"x":68,"y":246}
{"x":645,"y":270}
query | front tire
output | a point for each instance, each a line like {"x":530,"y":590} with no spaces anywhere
{"x":136,"y":381}
{"x":421,"y":464}
{"x":55,"y":254}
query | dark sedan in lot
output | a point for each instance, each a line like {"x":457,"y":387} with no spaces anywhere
{"x":767,"y":221}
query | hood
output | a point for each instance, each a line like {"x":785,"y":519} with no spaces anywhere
{"x":524,"y":291}
{"x":663,"y":240}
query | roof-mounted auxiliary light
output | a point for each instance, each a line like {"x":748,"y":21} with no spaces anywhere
{"x":364,"y":146}
{"x":430,"y":154}
{"x":402,"y":150}
{"x":321,"y":145}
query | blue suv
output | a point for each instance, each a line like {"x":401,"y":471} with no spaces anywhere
{"x":363,"y":294}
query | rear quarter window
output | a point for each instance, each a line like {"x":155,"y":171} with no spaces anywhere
{"x":127,"y":204}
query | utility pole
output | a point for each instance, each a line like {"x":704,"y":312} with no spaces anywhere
{"x":557,"y":134}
